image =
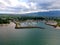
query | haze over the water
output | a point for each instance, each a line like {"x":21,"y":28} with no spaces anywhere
{"x":28,"y":6}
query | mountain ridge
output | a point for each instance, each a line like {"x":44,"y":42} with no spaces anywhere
{"x":50,"y":13}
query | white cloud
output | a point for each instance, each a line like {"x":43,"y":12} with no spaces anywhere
{"x":55,"y":5}
{"x":28,"y":6}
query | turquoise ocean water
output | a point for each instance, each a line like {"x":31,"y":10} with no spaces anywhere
{"x":35,"y":36}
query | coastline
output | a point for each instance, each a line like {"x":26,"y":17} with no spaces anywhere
{"x":29,"y":27}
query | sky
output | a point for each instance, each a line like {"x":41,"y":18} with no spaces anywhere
{"x":28,"y":6}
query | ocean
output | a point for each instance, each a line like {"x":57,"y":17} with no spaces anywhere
{"x":33,"y":36}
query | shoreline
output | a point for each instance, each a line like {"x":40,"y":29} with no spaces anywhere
{"x":29,"y":27}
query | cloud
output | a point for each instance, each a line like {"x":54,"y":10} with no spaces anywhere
{"x":28,"y":6}
{"x":55,"y":5}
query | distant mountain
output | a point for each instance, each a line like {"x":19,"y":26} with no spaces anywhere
{"x":50,"y":13}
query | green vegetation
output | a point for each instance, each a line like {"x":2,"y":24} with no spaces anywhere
{"x":5,"y":19}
